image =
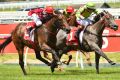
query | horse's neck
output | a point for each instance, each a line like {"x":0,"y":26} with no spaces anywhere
{"x":72,"y":21}
{"x":98,"y":27}
{"x":50,"y":22}
{"x":50,"y":26}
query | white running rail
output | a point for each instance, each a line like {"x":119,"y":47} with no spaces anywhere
{"x":21,"y":16}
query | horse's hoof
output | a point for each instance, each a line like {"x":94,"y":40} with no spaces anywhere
{"x":49,"y":64}
{"x":112,"y":63}
{"x":97,"y":72}
{"x":90,"y":64}
{"x":64,"y":62}
{"x":53,"y":65}
{"x":25,"y":73}
{"x":52,"y":69}
{"x":67,"y":63}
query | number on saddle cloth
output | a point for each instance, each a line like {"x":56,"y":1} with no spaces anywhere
{"x":29,"y":31}
{"x":71,"y":38}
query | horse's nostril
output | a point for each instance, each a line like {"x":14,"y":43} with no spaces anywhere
{"x":116,"y":27}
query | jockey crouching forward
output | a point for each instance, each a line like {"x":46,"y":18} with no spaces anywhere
{"x":83,"y":13}
{"x":68,"y":12}
{"x":39,"y":17}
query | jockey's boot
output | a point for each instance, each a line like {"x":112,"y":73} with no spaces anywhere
{"x":27,"y":33}
{"x":77,"y":33}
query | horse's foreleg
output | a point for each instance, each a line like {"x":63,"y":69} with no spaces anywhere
{"x":56,"y":61}
{"x":21,"y":62}
{"x":87,"y":56}
{"x":96,"y":48}
{"x":38,"y":56}
{"x":45,"y":47}
{"x":101,"y":53}
{"x":97,"y":58}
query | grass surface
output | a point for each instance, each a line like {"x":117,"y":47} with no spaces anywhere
{"x":42,"y":72}
{"x":13,"y":72}
{"x":31,"y":56}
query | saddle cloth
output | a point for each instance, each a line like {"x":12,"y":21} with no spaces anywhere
{"x":31,"y":33}
{"x":71,"y":37}
{"x":32,"y":24}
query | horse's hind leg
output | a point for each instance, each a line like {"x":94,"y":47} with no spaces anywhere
{"x":70,"y":57}
{"x":21,"y":62}
{"x":66,"y":50}
{"x":38,"y":56}
{"x":87,"y":56}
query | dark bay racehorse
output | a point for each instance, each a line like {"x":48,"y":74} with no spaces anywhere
{"x":92,"y":37}
{"x":44,"y":39}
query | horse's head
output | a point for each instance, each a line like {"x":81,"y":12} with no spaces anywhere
{"x":61,"y":21}
{"x":107,"y":19}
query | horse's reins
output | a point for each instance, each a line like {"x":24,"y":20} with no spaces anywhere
{"x":103,"y":21}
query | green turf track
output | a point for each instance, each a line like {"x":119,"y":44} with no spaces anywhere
{"x":13,"y":72}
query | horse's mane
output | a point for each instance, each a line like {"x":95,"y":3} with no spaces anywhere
{"x":57,"y":22}
{"x":97,"y":17}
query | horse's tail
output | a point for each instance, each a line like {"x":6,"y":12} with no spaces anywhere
{"x":5,"y":43}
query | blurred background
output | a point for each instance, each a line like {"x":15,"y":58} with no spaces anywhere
{"x":13,"y":12}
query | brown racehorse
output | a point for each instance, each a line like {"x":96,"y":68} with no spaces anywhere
{"x":44,"y":40}
{"x":72,"y":22}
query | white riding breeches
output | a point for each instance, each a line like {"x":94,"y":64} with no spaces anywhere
{"x":36,"y":19}
{"x":84,"y":22}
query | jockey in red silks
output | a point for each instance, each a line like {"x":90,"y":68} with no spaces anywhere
{"x":68,"y":12}
{"x":39,"y":16}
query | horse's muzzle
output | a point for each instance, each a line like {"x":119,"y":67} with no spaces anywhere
{"x":115,"y":27}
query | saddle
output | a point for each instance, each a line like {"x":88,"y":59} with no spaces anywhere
{"x":29,"y":31}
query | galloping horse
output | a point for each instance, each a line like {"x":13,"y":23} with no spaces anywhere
{"x":92,"y":37}
{"x":44,"y":39}
{"x":61,"y":40}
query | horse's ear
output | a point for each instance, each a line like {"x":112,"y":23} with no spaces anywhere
{"x":54,"y":13}
{"x":105,"y":11}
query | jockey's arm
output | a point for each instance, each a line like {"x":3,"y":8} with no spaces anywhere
{"x":97,"y":11}
{"x":74,"y":13}
{"x":78,"y":13}
{"x":79,"y":16}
